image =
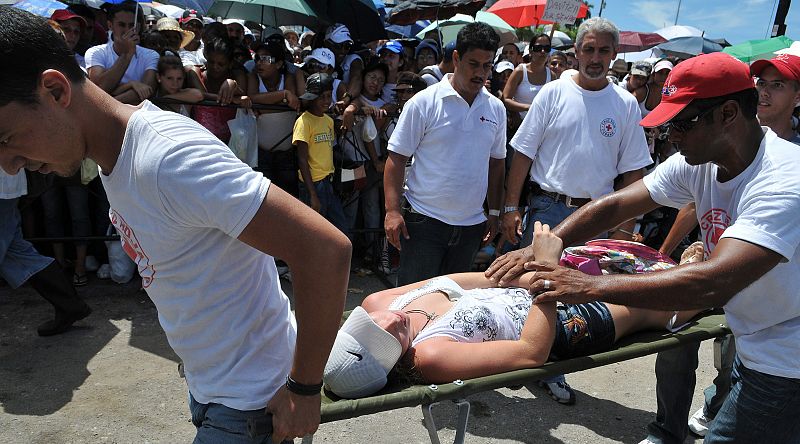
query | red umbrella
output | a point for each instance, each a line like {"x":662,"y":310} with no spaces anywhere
{"x":633,"y":41}
{"x":521,"y":13}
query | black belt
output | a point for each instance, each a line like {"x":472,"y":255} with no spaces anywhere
{"x":571,"y":202}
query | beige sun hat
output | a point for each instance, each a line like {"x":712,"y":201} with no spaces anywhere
{"x":170,"y":24}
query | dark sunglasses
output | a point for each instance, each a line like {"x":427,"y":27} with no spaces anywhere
{"x":684,"y":125}
{"x":540,"y":48}
{"x":270,"y":60}
{"x":345,"y":46}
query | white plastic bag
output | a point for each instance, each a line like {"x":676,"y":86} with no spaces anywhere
{"x":244,"y":137}
{"x":122,"y":266}
{"x":368,"y":131}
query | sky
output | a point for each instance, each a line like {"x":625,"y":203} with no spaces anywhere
{"x":734,"y":20}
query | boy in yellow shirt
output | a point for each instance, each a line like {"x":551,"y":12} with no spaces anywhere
{"x":313,"y":136}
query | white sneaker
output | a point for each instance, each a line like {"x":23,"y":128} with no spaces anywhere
{"x":646,"y":441}
{"x":698,"y":423}
{"x":104,"y":272}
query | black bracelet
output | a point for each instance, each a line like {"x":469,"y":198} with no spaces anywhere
{"x":302,"y":389}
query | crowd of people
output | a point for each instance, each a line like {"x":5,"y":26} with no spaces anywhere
{"x":421,"y":155}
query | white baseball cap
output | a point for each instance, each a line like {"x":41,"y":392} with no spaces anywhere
{"x":361,"y":358}
{"x":338,"y":33}
{"x":505,"y":65}
{"x":322,"y":55}
{"x":664,"y":64}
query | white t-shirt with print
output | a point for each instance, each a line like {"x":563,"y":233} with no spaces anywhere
{"x":105,"y":56}
{"x":761,"y":205}
{"x":179,"y":199}
{"x":581,"y":140}
{"x":193,"y":58}
{"x":452,"y":143}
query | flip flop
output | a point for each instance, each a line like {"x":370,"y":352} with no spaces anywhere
{"x":79,"y":280}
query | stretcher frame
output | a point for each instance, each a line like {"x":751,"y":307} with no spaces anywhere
{"x":711,"y":325}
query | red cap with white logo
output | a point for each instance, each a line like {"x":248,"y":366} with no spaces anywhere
{"x":702,"y":77}
{"x":786,"y":64}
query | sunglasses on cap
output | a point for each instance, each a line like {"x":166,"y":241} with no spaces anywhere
{"x":270,"y":60}
{"x":541,"y":48}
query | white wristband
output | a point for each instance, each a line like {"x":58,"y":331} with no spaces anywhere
{"x":494,"y":212}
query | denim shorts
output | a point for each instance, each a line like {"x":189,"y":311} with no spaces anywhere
{"x":582,"y":329}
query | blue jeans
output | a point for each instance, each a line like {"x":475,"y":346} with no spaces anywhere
{"x":18,"y":259}
{"x":331,"y":206}
{"x":547,"y":211}
{"x":435,"y":248}
{"x":675,"y":384}
{"x":217,"y":424}
{"x":760,"y":408}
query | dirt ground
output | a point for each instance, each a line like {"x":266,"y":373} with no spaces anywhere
{"x":113,"y":379}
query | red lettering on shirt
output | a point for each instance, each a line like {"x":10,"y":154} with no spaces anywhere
{"x":713,"y":224}
{"x":133,"y":248}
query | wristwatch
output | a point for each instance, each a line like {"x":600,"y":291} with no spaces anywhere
{"x":285,"y":99}
{"x":509,"y":209}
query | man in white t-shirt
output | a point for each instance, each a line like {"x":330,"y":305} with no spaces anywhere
{"x":778,"y":85}
{"x":581,"y":135}
{"x":745,"y":181}
{"x":456,"y":131}
{"x":202,"y":228}
{"x":121,"y":67}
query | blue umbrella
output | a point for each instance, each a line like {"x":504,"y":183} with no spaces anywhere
{"x":42,"y":8}
{"x":408,"y":30}
{"x":687,"y":47}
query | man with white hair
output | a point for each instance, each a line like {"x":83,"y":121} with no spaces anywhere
{"x":581,"y":135}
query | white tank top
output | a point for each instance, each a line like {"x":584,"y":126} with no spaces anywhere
{"x":478,"y":315}
{"x":526,"y":91}
{"x":262,"y":88}
{"x":643,"y":103}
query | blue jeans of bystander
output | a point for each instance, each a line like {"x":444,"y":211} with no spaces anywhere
{"x":331,"y":204}
{"x":217,"y":424}
{"x":760,"y":408}
{"x":18,"y":259}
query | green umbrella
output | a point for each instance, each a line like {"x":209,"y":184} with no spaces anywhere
{"x":268,"y":12}
{"x":752,"y":50}
{"x":450,"y":27}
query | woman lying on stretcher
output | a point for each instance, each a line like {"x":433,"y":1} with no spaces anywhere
{"x":460,"y":326}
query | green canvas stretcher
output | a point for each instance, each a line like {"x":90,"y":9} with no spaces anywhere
{"x":395,"y":395}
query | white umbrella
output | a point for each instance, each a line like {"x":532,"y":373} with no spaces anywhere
{"x":169,"y":10}
{"x":671,"y":32}
{"x":450,"y":27}
{"x":794,"y":49}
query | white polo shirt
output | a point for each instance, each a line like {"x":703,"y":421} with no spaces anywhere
{"x":452,"y":143}
{"x":581,"y":140}
{"x":105,"y":56}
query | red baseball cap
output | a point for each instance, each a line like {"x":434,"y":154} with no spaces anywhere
{"x":62,"y":15}
{"x":786,"y":64}
{"x":702,"y":77}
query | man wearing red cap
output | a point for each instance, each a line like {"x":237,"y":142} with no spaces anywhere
{"x":745,"y":181}
{"x":778,"y":87}
{"x":72,"y":25}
